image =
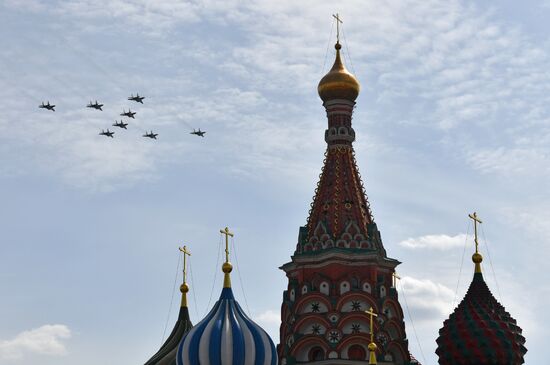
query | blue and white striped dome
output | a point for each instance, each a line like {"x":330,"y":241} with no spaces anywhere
{"x":227,"y":336}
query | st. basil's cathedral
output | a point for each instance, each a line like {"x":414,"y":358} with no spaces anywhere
{"x":341,"y":305}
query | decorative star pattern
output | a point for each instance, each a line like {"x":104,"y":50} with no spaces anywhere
{"x":355,"y":328}
{"x":356,"y":306}
{"x":334,"y":336}
{"x":315,"y":307}
{"x":382,"y":339}
{"x":316,"y":329}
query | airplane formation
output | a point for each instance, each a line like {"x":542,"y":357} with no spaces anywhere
{"x":120,"y":124}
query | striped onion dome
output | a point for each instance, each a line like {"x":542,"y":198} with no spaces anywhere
{"x":480,"y":331}
{"x":227,"y":336}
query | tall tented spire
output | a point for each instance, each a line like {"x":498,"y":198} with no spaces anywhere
{"x":340,"y":214}
{"x":166,"y":355}
{"x":226,"y":335}
{"x":480,"y":330}
{"x":340,"y":269}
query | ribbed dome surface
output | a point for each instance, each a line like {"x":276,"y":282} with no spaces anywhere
{"x":167,"y":353}
{"x":226,"y":337}
{"x":338,"y":83}
{"x":480,"y":331}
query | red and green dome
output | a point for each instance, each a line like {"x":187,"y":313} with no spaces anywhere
{"x":480,"y":331}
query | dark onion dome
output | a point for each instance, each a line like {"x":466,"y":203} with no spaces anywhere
{"x":168,"y":351}
{"x":226,"y":336}
{"x":338,"y":83}
{"x":480,"y":331}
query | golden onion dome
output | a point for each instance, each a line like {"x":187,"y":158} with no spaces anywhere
{"x":338,"y":83}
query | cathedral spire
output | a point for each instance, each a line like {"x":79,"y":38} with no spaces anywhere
{"x":340,"y":267}
{"x":340,"y":215}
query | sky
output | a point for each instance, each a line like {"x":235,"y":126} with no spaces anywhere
{"x":452,"y":118}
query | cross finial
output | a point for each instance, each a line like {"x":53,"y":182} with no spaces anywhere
{"x":371,"y":313}
{"x":338,"y":22}
{"x":186,"y":253}
{"x":372,"y":346}
{"x":476,"y":221}
{"x":227,"y":234}
{"x":184,"y":288}
{"x":476,"y":258}
{"x":226,"y":267}
{"x":395,"y":278}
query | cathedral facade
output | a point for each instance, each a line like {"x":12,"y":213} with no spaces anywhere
{"x":341,"y":306}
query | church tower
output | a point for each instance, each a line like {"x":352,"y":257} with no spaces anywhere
{"x":340,"y":268}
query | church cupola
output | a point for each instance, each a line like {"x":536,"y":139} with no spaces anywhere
{"x":480,"y":330}
{"x":227,"y":336}
{"x":166,"y":355}
{"x":338,"y":83}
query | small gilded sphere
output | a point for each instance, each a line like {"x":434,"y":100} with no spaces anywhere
{"x":477,"y":258}
{"x":372,"y":346}
{"x":227,"y":267}
{"x":184,"y":288}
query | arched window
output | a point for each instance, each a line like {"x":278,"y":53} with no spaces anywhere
{"x":357,"y":352}
{"x":344,"y":287}
{"x":316,"y":353}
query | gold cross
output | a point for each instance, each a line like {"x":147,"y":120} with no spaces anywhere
{"x":338,"y":22}
{"x":227,"y":234}
{"x":395,"y":278}
{"x":371,"y":313}
{"x":476,"y":221}
{"x":186,"y":253}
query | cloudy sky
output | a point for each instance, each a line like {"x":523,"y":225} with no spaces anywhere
{"x":452,"y":118}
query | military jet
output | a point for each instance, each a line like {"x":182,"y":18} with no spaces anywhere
{"x":107,"y":134}
{"x":47,"y":106}
{"x":120,"y":124}
{"x":150,"y":135}
{"x":137,"y":98}
{"x":95,"y":105}
{"x":129,"y":114}
{"x":198,"y":133}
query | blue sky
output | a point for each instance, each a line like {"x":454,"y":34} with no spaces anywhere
{"x":452,"y":118}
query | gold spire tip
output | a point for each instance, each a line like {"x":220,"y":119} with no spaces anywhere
{"x":184,"y":288}
{"x":227,"y":267}
{"x":476,"y":257}
{"x":372,"y":346}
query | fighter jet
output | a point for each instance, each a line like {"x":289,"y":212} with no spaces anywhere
{"x":47,"y":106}
{"x":129,"y":114}
{"x":107,"y":134}
{"x":95,"y":105}
{"x":198,"y":133}
{"x":150,"y":135}
{"x":137,"y":98}
{"x":120,"y":124}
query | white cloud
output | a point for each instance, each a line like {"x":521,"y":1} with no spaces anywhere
{"x":45,"y":340}
{"x":269,"y":320}
{"x":269,"y":317}
{"x":427,"y":300}
{"x":436,"y":241}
